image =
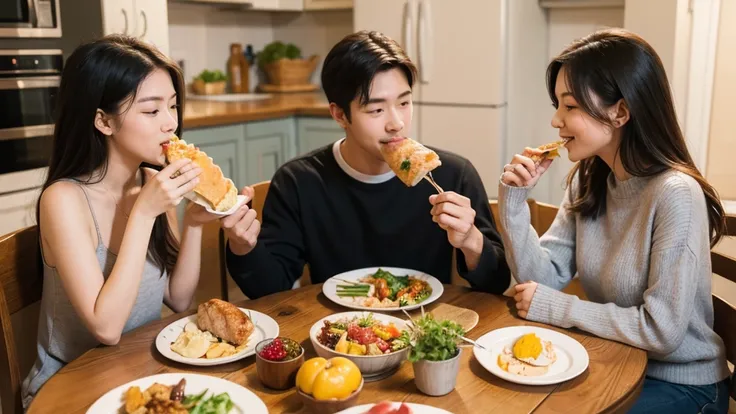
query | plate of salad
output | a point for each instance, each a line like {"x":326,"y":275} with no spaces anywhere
{"x":383,"y":288}
{"x":377,"y":343}
{"x":179,"y":394}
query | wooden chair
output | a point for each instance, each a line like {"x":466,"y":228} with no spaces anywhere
{"x":259,"y":197}
{"x":724,"y":323}
{"x":21,"y":279}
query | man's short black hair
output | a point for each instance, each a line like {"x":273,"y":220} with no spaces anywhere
{"x":353,"y":62}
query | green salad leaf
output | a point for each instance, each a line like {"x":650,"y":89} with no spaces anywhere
{"x":395,"y":283}
{"x":216,"y":404}
{"x":433,"y":340}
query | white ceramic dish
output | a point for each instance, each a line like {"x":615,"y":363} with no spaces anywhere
{"x":572,"y":358}
{"x":193,"y":197}
{"x":415,"y":408}
{"x":265,"y":327}
{"x":373,"y":367}
{"x":329,"y":288}
{"x":244,"y":400}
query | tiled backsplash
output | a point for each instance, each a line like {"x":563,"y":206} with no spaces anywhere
{"x":200,"y":36}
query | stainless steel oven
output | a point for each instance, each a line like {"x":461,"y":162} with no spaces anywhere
{"x":30,"y":18}
{"x":29,"y":84}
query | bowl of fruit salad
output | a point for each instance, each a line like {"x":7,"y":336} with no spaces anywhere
{"x":277,"y":362}
{"x":375,"y":342}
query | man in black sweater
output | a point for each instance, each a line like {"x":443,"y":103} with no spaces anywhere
{"x":341,"y":208}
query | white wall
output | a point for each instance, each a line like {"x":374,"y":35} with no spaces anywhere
{"x":665,"y":24}
{"x":722,"y":139}
{"x":528,"y":102}
{"x":566,"y":25}
{"x":201,"y":35}
{"x":313,"y":32}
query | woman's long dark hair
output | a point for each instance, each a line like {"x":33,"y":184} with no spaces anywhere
{"x":105,"y":74}
{"x":603,"y":68}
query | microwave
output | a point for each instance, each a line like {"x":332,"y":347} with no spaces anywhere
{"x":29,"y":18}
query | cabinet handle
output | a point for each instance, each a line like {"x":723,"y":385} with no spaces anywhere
{"x":426,"y":42}
{"x":125,"y":16}
{"x":145,"y":24}
{"x":408,"y":30}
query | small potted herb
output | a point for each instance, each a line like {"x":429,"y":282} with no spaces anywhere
{"x":434,"y":354}
{"x":210,"y":82}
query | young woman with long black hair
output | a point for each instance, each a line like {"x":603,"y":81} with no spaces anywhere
{"x":110,"y":242}
{"x":637,"y":224}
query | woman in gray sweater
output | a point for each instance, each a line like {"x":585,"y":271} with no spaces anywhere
{"x":636,"y":224}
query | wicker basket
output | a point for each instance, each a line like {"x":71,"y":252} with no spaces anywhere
{"x":211,"y":88}
{"x":291,"y":71}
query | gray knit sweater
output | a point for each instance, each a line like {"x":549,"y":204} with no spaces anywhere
{"x":644,"y":265}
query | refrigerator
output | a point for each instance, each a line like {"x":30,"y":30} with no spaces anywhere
{"x":460,"y":50}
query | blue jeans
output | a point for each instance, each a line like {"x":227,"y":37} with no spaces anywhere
{"x":665,"y":397}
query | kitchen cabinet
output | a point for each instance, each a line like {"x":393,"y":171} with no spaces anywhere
{"x":118,"y":16}
{"x":18,"y":210}
{"x":247,"y":153}
{"x":145,"y":19}
{"x":277,"y":5}
{"x":268,"y":144}
{"x":313,"y":133}
{"x":328,"y":4}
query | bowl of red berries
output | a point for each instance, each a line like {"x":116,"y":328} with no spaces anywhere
{"x":277,"y":362}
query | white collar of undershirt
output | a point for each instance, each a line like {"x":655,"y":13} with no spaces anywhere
{"x":363,"y":178}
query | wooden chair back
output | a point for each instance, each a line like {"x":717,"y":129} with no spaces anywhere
{"x":260,"y":191}
{"x":724,"y":265}
{"x":542,"y":214}
{"x":21,"y":284}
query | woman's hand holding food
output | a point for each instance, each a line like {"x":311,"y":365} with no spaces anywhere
{"x":162,"y":192}
{"x":522,"y":171}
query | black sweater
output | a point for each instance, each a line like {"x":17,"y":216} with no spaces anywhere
{"x":315,"y":213}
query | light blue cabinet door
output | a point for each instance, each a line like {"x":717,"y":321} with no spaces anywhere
{"x":268,"y":144}
{"x":263,"y":156}
{"x":315,"y":133}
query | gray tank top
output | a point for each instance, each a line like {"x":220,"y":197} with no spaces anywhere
{"x":62,"y":336}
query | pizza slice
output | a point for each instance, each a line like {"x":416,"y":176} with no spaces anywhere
{"x":410,"y":160}
{"x":219,"y":192}
{"x":551,"y":150}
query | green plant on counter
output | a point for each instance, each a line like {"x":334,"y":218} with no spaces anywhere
{"x":209,"y":76}
{"x":278,"y":50}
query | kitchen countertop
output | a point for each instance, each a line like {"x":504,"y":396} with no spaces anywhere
{"x":200,"y":113}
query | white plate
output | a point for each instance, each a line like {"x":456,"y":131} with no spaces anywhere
{"x":329,"y":288}
{"x":264,"y":327}
{"x":415,"y":408}
{"x":572,"y":358}
{"x":195,"y":198}
{"x":243,"y":399}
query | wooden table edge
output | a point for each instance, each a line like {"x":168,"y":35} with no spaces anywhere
{"x":624,"y":404}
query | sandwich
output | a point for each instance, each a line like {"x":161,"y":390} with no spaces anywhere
{"x":219,"y":192}
{"x":224,"y":320}
{"x":410,"y":160}
{"x":550,"y":150}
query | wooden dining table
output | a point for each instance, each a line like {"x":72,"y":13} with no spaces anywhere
{"x":611,"y":383}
